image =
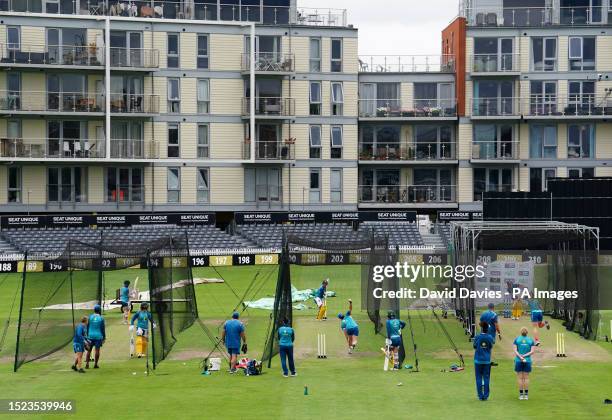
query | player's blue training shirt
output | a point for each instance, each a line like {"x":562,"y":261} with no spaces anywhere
{"x":95,"y":327}
{"x":534,"y":305}
{"x":523,"y":345}
{"x":320,"y":292}
{"x":124,"y":294}
{"x":348,"y":322}
{"x":233,"y":328}
{"x":394,"y":327}
{"x":286,"y":336}
{"x":79,"y":334}
{"x":483,"y":343}
{"x":490,"y":318}
{"x":143,"y":318}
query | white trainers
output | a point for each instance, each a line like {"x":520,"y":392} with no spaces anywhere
{"x":526,"y":396}
{"x":521,"y":397}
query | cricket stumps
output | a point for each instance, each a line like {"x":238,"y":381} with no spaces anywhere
{"x":561,"y":345}
{"x":321,"y":346}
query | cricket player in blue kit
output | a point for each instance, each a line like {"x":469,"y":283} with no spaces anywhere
{"x":483,"y":344}
{"x":286,"y":337}
{"x":394,"y":336}
{"x":349,"y":327}
{"x":78,"y":344}
{"x":490,"y":317}
{"x":537,"y":319}
{"x":523,"y":349}
{"x":142,"y":328}
{"x":96,"y":334}
{"x":124,"y":299}
{"x":233,"y":332}
{"x":321,"y":300}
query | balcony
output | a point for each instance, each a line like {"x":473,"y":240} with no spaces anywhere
{"x":134,"y":58}
{"x":585,"y":106}
{"x":188,"y":10}
{"x":134,"y":104}
{"x":495,"y":64}
{"x":393,"y":153}
{"x":269,"y":108}
{"x":496,"y":108}
{"x":495,"y":151}
{"x":534,"y":16}
{"x":51,"y":148}
{"x":269,"y":62}
{"x":52,"y":102}
{"x":269,"y":150}
{"x":407,"y":64}
{"x":407,"y":195}
{"x":419,"y":109}
{"x":134,"y":149}
{"x":41,"y":55}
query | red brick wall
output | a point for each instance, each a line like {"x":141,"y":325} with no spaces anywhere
{"x":453,"y":43}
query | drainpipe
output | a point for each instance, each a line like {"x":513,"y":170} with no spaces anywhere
{"x":252,"y":90}
{"x":107,"y":83}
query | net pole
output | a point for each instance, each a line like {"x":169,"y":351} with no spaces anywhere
{"x":152,"y":334}
{"x":194,"y":301}
{"x":23,"y":279}
{"x":100,"y":293}
{"x":71,"y":289}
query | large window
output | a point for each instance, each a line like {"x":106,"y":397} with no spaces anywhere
{"x":13,"y":38}
{"x":127,"y":139}
{"x":262,"y":185}
{"x":337,"y":98}
{"x":435,"y":98}
{"x":543,"y":97}
{"x":14,"y":184}
{"x":315,"y":55}
{"x":202,"y":59}
{"x":315,"y":98}
{"x":380,"y":142}
{"x":174,"y":185}
{"x":581,"y":53}
{"x":336,"y":55}
{"x":173,"y":50}
{"x":315,"y":142}
{"x":126,"y":46}
{"x":493,"y":54}
{"x":174,"y":148}
{"x":575,"y":173}
{"x":581,"y":99}
{"x":336,"y":142}
{"x":203,"y":96}
{"x":124,"y":185}
{"x":68,"y":139}
{"x":493,"y":141}
{"x":538,"y":178}
{"x":335,"y":185}
{"x":314,"y":192}
{"x":202,"y":185}
{"x":203,"y":142}
{"x":431,"y":185}
{"x":544,"y":54}
{"x":493,"y":98}
{"x":67,"y":185}
{"x":433,"y":142}
{"x":580,"y":141}
{"x":174,"y":95}
{"x":381,"y":185}
{"x":543,"y":141}
{"x":491,"y":179}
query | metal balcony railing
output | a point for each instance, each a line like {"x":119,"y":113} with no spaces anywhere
{"x":495,"y":63}
{"x":134,"y":149}
{"x":421,"y":151}
{"x":418,"y":108}
{"x":269,"y":150}
{"x":496,"y":107}
{"x":495,"y":150}
{"x":188,"y":10}
{"x":270,"y":107}
{"x":407,"y":194}
{"x":51,"y":101}
{"x":270,"y":62}
{"x":49,"y":148}
{"x":407,"y":64}
{"x":134,"y":57}
{"x":134,"y":103}
{"x":585,"y":105}
{"x":534,"y":16}
{"x":50,"y":55}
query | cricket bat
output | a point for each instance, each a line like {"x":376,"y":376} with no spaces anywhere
{"x":132,"y":343}
{"x":387,"y":353}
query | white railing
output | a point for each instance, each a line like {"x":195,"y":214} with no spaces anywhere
{"x":269,"y":62}
{"x":51,"y":101}
{"x":418,"y":108}
{"x":134,"y":57}
{"x":495,"y":63}
{"x":495,"y":150}
{"x":124,"y":103}
{"x":399,"y":151}
{"x":407,"y":194}
{"x":42,"y":54}
{"x":535,"y":16}
{"x":407,"y":63}
{"x":50,"y":148}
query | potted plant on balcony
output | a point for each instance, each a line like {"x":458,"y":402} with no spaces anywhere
{"x":381,"y":111}
{"x":435,"y":112}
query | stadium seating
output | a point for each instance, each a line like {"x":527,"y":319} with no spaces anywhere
{"x":271,"y":236}
{"x":400,"y":233}
{"x":444,"y":231}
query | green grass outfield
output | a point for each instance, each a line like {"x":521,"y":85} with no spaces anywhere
{"x":343,"y":386}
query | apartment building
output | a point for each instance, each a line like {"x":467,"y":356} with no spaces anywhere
{"x":537,"y":77}
{"x":208,"y":105}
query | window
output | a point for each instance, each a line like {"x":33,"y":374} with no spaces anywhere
{"x":262,"y":185}
{"x":538,"y":178}
{"x":173,"y":140}
{"x":493,"y":54}
{"x":13,"y":129}
{"x":315,"y":55}
{"x":544,"y":54}
{"x":174,"y":96}
{"x":493,"y":141}
{"x":336,"y":55}
{"x":315,"y":98}
{"x":203,"y":142}
{"x":581,"y":97}
{"x":174,"y":185}
{"x":337,"y":97}
{"x":336,"y":142}
{"x":543,"y":142}
{"x":580,"y":141}
{"x":202,"y":58}
{"x":581,"y":54}
{"x":13,"y":38}
{"x":124,"y":184}
{"x":315,"y":142}
{"x":432,"y":142}
{"x":173,"y":51}
{"x":13,"y":84}
{"x":14,"y":184}
{"x":335,"y":185}
{"x":491,"y":179}
{"x":203,"y":187}
{"x":203,"y":96}
{"x":67,"y":185}
{"x":575,"y":173}
{"x":314,"y":195}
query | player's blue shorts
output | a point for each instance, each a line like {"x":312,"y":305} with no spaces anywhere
{"x":78,"y":347}
{"x":233,"y":351}
{"x":522,"y":366}
{"x":95,"y":343}
{"x":537,"y":316}
{"x":353,"y":331}
{"x":396,"y":341}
